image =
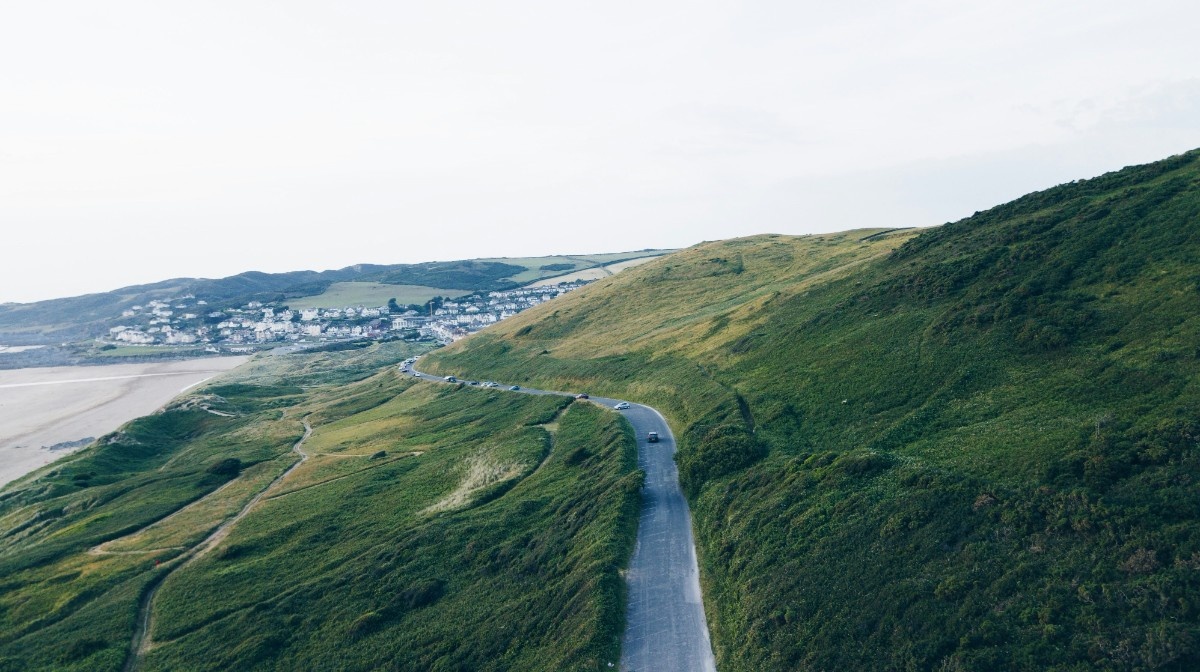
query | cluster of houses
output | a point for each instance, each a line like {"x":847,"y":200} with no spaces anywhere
{"x":186,"y":320}
{"x":162,"y":323}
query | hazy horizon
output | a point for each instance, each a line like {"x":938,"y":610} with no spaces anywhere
{"x":336,"y":268}
{"x":141,"y":142}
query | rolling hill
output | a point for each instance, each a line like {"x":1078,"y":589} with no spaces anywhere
{"x":968,"y":447}
{"x":83,"y":317}
{"x":971,"y":447}
{"x":418,"y":526}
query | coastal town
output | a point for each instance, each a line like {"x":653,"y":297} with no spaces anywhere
{"x":186,"y":320}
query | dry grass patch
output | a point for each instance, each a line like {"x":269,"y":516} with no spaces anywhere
{"x":190,"y":524}
{"x":483,"y":470}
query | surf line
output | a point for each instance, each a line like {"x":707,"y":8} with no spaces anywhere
{"x":94,"y":380}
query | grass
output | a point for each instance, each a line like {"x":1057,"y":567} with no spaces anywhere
{"x":972,"y":447}
{"x":348,"y":563}
{"x":158,"y":351}
{"x":538,"y":268}
{"x":595,"y":272}
{"x":371,"y":294}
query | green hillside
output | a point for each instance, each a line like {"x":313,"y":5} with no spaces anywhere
{"x":83,"y":317}
{"x":429,"y":527}
{"x":342,"y":294}
{"x":968,"y":448}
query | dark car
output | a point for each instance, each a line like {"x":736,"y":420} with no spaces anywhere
{"x":652,"y":437}
{"x":514,"y":388}
{"x":582,"y":396}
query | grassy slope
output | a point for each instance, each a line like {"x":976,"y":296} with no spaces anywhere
{"x":975,"y":451}
{"x":371,"y":294}
{"x":358,"y":559}
{"x":537,"y":268}
{"x":521,"y":270}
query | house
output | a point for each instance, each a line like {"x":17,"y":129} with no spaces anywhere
{"x":411,"y":322}
{"x":135,"y":337}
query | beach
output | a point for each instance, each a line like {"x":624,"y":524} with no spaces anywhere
{"x":63,"y":406}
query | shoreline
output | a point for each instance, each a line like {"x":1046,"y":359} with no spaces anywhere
{"x":43,"y":407}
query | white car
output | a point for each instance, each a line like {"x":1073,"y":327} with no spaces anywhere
{"x":622,"y":406}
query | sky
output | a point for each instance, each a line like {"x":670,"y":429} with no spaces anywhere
{"x":141,"y":141}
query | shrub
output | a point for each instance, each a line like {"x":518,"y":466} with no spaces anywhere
{"x":230,"y":466}
{"x":723,"y":450}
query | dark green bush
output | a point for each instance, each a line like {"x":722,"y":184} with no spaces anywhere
{"x":229,"y":466}
{"x":723,"y":450}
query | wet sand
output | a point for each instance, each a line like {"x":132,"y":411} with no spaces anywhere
{"x":41,"y":407}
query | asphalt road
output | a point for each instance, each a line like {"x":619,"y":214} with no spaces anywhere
{"x":665,"y":629}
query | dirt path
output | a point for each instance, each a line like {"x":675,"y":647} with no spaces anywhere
{"x":143,"y":635}
{"x":102,"y":549}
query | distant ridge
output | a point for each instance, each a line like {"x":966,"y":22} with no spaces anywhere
{"x":88,"y":315}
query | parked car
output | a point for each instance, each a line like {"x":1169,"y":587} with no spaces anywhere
{"x":652,"y":437}
{"x":451,"y":379}
{"x":622,"y":405}
{"x":514,"y":388}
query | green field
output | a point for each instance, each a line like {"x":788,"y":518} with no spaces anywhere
{"x":372,"y":295}
{"x":975,"y":447}
{"x":422,"y":512}
{"x":158,"y":351}
{"x":342,"y":294}
{"x":535,"y":271}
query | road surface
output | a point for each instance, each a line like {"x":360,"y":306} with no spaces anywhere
{"x":665,"y":629}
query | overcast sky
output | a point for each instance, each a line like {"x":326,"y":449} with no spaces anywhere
{"x":146,"y":140}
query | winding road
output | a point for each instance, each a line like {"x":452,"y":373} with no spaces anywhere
{"x":665,"y":628}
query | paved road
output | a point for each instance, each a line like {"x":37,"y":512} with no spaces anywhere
{"x":665,"y":629}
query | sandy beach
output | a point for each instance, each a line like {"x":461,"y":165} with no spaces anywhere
{"x":42,"y":407}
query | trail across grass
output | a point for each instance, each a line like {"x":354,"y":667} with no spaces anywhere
{"x":194,"y":541}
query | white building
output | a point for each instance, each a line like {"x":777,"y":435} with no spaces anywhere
{"x":135,"y":337}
